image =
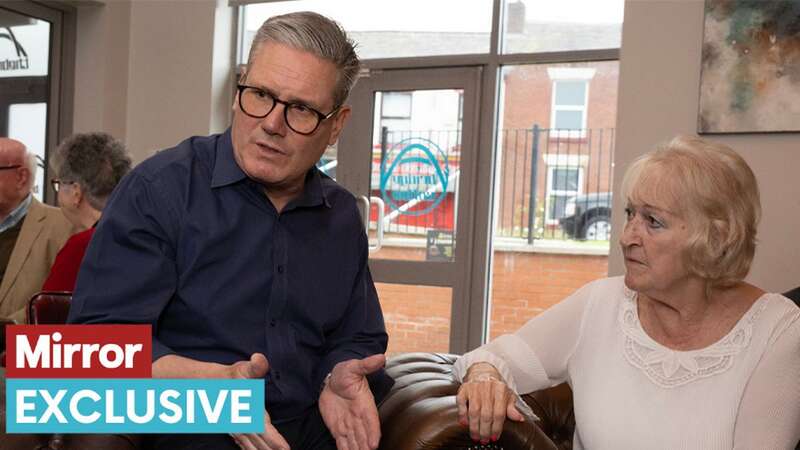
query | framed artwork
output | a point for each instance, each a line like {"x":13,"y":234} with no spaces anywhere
{"x":750,"y":75}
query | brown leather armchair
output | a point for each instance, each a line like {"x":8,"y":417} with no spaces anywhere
{"x":420,"y":411}
{"x":418,"y":414}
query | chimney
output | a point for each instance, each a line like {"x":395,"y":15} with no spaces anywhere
{"x":515,"y":17}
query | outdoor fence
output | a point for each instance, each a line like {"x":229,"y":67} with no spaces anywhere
{"x":549,"y":175}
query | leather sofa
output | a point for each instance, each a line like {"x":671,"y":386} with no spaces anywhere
{"x":418,"y":413}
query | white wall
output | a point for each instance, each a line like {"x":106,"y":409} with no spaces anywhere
{"x":153,"y":72}
{"x":658,"y":98}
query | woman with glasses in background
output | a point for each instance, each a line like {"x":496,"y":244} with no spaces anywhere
{"x":88,"y":167}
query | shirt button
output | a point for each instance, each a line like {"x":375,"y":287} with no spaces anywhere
{"x":277,"y":375}
{"x":280,"y":269}
{"x":272,"y":323}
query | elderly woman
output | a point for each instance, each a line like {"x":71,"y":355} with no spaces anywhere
{"x":89,"y":166}
{"x":680,"y":353}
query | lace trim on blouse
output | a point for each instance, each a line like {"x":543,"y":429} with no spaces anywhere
{"x":671,"y":368}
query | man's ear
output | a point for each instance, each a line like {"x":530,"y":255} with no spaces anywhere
{"x":24,"y":176}
{"x":339,"y":120}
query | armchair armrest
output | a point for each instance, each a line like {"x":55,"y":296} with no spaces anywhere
{"x":420,"y":412}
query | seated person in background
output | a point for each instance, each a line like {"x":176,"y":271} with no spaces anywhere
{"x":87,"y":166}
{"x":30,"y":232}
{"x":680,"y":353}
{"x":249,"y":262}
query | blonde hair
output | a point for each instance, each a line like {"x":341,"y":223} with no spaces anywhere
{"x":712,"y":187}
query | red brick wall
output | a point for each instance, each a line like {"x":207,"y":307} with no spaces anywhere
{"x":523,"y":285}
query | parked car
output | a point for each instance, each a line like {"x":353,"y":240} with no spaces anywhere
{"x":588,"y":217}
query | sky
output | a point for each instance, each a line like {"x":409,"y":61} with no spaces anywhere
{"x":437,"y":15}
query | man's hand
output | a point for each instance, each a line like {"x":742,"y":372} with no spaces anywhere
{"x":484,"y":402}
{"x":270,"y":439}
{"x":347,"y":405}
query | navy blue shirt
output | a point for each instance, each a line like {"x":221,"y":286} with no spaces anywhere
{"x":190,"y":244}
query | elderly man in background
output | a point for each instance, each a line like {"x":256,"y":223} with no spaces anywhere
{"x":249,"y":262}
{"x":30,"y":233}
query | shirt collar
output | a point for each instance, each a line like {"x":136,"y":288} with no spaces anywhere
{"x":226,"y":170}
{"x":17,"y":214}
{"x":313,"y":192}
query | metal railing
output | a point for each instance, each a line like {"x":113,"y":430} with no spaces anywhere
{"x":554,"y":183}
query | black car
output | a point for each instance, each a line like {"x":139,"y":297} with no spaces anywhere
{"x":588,"y":217}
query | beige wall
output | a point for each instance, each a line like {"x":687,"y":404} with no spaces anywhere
{"x":658,"y":98}
{"x":101,"y":67}
{"x":153,"y":72}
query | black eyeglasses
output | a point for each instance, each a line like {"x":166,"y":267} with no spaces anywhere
{"x":302,"y":119}
{"x":14,"y":166}
{"x":56,"y":183}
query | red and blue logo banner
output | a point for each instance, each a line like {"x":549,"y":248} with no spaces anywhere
{"x":97,"y":379}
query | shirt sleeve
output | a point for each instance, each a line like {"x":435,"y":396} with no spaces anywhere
{"x":769,"y":415}
{"x":129,"y":273}
{"x":535,"y":356}
{"x":362,"y":332}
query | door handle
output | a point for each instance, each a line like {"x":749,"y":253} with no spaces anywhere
{"x":379,"y":231}
{"x":367,"y":201}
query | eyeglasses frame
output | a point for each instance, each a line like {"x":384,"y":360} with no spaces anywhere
{"x":57,"y":182}
{"x":321,"y":117}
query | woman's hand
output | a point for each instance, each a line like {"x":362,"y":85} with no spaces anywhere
{"x":484,"y":401}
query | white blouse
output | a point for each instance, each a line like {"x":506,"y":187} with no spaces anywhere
{"x":630,"y":392}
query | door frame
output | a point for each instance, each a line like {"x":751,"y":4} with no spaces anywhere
{"x":354,"y":170}
{"x":59,"y":93}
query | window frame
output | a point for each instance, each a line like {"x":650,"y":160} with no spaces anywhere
{"x":470,"y":306}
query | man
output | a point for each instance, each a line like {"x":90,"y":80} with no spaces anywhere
{"x":249,"y":262}
{"x":30,"y":233}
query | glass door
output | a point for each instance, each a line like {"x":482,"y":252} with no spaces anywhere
{"x":409,"y":153}
{"x":30,"y":67}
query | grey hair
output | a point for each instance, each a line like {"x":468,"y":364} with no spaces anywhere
{"x":96,"y":161}
{"x":318,"y":35}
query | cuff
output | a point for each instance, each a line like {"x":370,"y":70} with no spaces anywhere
{"x":160,"y":350}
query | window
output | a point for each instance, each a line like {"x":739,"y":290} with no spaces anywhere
{"x":533,"y":26}
{"x":536,"y":170}
{"x":569,"y":101}
{"x":389,"y":28}
{"x":396,"y":110}
{"x":27,"y":122}
{"x":563,"y":182}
